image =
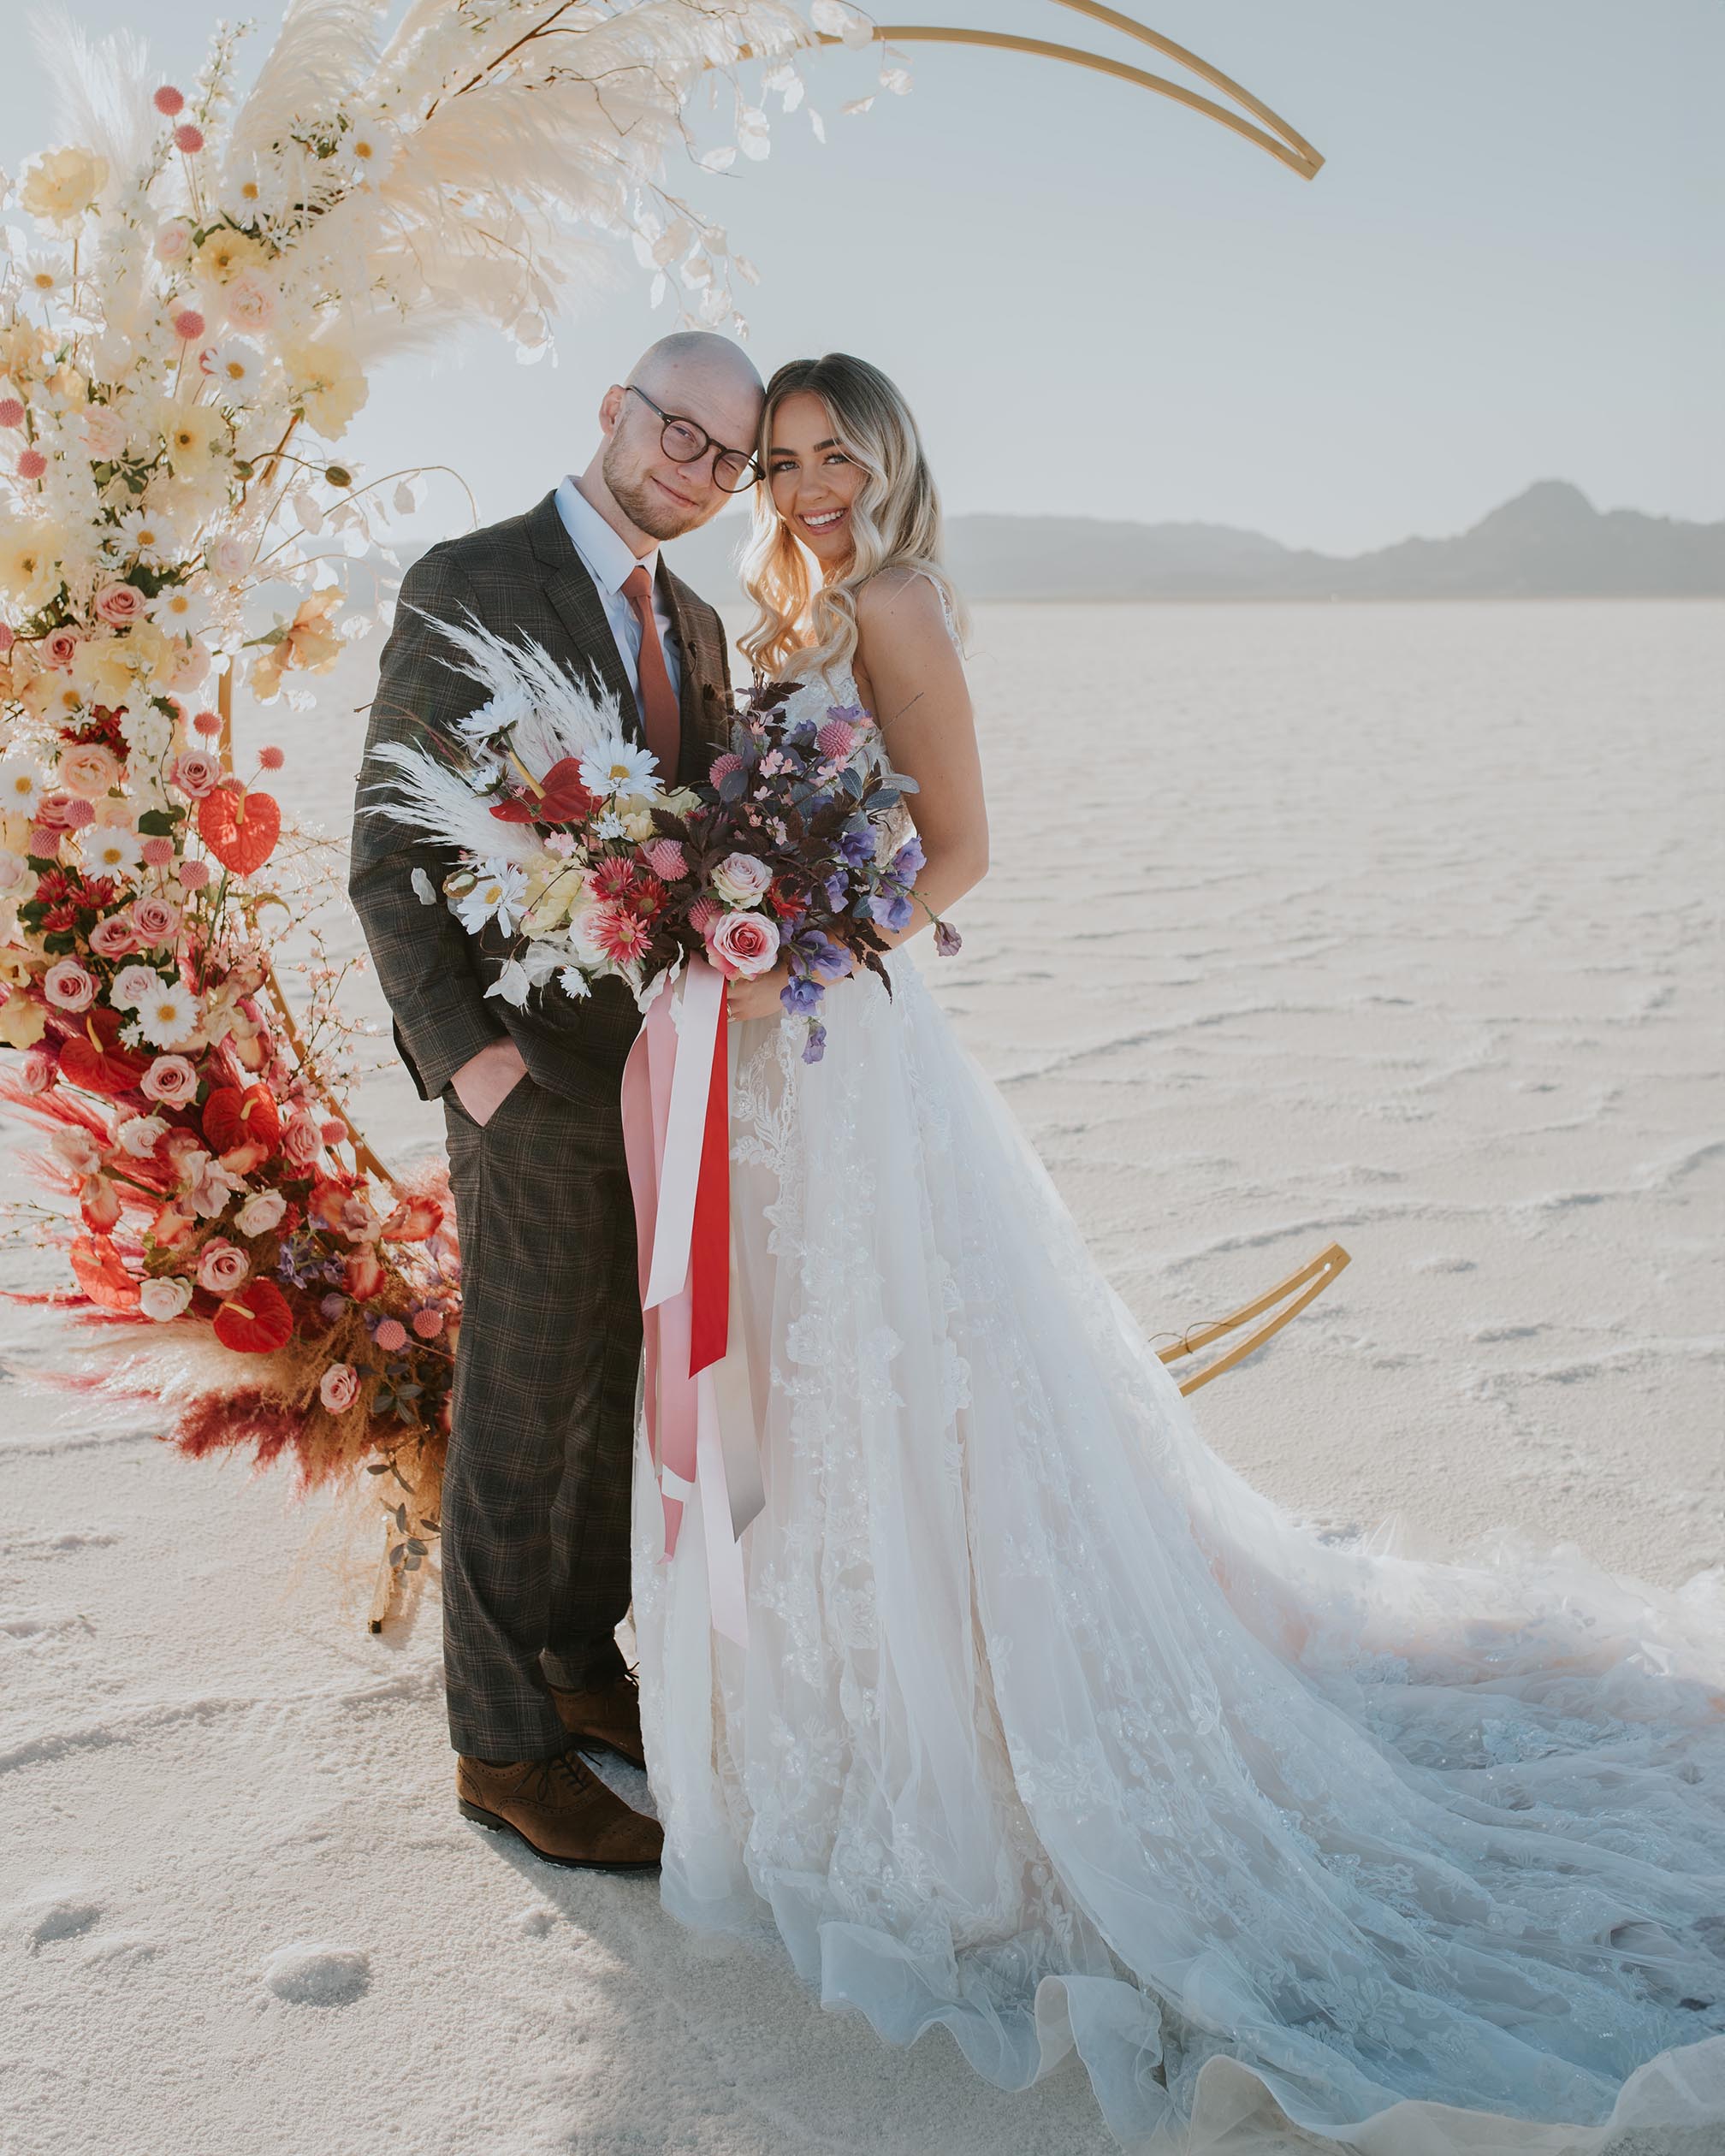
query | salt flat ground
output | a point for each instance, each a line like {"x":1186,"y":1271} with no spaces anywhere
{"x":1394,"y":925}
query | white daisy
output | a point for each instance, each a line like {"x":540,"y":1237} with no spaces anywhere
{"x":43,"y":275}
{"x":107,"y":851}
{"x":152,"y":537}
{"x":180,"y":609}
{"x":618,"y":766}
{"x":20,"y":786}
{"x":169,"y":1018}
{"x":235,"y":368}
{"x":500,"y":894}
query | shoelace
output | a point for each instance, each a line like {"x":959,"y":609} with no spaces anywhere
{"x":563,"y":1775}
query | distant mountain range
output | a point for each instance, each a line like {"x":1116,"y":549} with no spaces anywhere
{"x":1550,"y":542}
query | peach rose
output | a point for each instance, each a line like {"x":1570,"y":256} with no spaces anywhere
{"x":58,"y":647}
{"x":261,"y":1211}
{"x":112,"y":937}
{"x":154,"y":921}
{"x":302,"y":1141}
{"x":89,"y":769}
{"x":741,"y":880}
{"x":170,"y":1080}
{"x":196,"y":771}
{"x":119,"y":604}
{"x":165,"y":1298}
{"x":222,"y":1266}
{"x":67,"y":986}
{"x":744,"y":944}
{"x":339,"y":1388}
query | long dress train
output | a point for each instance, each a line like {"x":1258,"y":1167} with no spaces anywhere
{"x":1054,"y":1732}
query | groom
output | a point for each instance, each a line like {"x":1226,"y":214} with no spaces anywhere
{"x":535,"y":1494}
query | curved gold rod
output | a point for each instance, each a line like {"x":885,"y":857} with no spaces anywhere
{"x":1292,"y":151}
{"x":1202,"y":69}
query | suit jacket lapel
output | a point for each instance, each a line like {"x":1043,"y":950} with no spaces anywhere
{"x":575,"y":599}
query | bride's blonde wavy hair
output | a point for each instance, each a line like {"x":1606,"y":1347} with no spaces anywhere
{"x":895,"y":520}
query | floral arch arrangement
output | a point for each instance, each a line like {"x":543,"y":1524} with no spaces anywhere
{"x":183,"y":344}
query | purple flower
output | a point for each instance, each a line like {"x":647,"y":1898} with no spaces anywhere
{"x":838,"y":891}
{"x":333,"y":1306}
{"x":827,"y":960}
{"x":892,"y":910}
{"x":947,"y":940}
{"x":815,"y":1047}
{"x":857,"y":845}
{"x":801,"y":994}
{"x":907,"y":862}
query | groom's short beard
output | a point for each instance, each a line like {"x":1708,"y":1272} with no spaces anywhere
{"x":647,"y":511}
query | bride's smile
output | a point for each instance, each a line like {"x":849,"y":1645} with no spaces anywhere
{"x":813,"y":479}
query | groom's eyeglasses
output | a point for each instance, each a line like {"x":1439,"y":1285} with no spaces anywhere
{"x":734,"y":471}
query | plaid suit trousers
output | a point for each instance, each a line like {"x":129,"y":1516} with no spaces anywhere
{"x":536,"y":1494}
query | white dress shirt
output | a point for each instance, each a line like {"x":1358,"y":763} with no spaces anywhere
{"x":608,"y":559}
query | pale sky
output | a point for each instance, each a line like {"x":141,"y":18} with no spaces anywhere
{"x":1100,"y":304}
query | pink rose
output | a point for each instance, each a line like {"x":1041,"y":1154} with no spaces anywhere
{"x":58,"y":646}
{"x":88,"y":769}
{"x":67,"y":986}
{"x":154,"y":921}
{"x":261,"y":1211}
{"x":104,"y":432}
{"x":196,"y":771}
{"x":55,"y":811}
{"x":164,"y":1297}
{"x":36,"y":1073}
{"x":112,"y":937}
{"x":250,"y":302}
{"x":339,"y":1388}
{"x":742,"y":944}
{"x":222,"y":1266}
{"x":173,"y":240}
{"x":119,"y":604}
{"x":301,"y":1140}
{"x":172,"y":1080}
{"x":741,"y":880}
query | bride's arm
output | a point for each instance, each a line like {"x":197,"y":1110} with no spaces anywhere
{"x":920,"y":699}
{"x":909,"y":669}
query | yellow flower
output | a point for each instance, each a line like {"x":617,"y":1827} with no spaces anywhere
{"x":195,"y":434}
{"x":101,"y":669}
{"x":60,"y":185}
{"x":226,"y":252}
{"x":23,"y":1022}
{"x":28,"y":565}
{"x":328,"y":383}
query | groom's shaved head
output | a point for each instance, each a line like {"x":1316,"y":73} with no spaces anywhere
{"x":695,"y":375}
{"x":697,"y":355}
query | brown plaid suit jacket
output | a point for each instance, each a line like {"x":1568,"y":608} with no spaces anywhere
{"x":523,"y":580}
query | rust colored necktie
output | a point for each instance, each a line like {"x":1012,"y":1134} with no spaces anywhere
{"x":659,"y":708}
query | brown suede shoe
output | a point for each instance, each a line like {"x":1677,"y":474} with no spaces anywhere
{"x":610,"y":1716}
{"x":561,"y":1809}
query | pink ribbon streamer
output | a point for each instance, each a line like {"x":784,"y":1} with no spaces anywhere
{"x":666,"y":1081}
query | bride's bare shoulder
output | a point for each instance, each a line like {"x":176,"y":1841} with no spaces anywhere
{"x":905,"y":606}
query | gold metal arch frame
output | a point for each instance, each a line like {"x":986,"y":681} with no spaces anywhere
{"x":1276,"y":135}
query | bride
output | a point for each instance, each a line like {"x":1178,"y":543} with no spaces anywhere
{"x":1050,"y":1730}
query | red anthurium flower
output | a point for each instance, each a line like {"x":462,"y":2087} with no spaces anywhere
{"x":563,"y":798}
{"x":233,"y":1118}
{"x":239,"y":827}
{"x":257,"y":1320}
{"x":102,"y":1274}
{"x":93,"y":1058}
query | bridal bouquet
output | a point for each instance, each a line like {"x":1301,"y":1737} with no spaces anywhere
{"x":567,"y":840}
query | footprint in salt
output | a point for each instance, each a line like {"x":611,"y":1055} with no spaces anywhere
{"x":54,"y":1913}
{"x":308,"y":1974}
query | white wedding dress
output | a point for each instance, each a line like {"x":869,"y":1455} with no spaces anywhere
{"x":1054,"y":1732}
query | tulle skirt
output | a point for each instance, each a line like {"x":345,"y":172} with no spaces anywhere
{"x":1053,"y":1732}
